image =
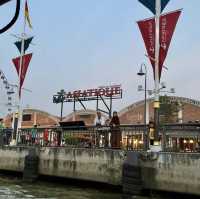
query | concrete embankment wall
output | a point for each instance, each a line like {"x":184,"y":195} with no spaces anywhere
{"x":84,"y":164}
{"x":87,"y":164}
{"x":174,"y":172}
{"x":12,"y":158}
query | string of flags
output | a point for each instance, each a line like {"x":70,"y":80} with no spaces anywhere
{"x":8,"y":88}
{"x":167,"y":27}
{"x":22,"y":62}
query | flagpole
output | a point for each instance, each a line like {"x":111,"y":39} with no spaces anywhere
{"x":23,"y":35}
{"x":157,"y":52}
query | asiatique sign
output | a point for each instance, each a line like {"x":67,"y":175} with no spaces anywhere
{"x":105,"y":91}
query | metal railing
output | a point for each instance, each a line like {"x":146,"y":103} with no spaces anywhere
{"x":173,"y":137}
{"x":119,"y":137}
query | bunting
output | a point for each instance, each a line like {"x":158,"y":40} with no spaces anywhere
{"x":25,"y":63}
{"x":151,"y":4}
{"x":27,"y":42}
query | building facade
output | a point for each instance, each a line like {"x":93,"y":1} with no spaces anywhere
{"x":189,"y":111}
{"x":31,"y":117}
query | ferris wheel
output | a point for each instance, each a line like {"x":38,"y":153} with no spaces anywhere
{"x":7,"y":98}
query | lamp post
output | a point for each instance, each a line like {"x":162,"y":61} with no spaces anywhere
{"x":143,"y":72}
{"x":61,"y":98}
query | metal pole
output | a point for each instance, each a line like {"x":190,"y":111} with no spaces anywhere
{"x":74,"y":111}
{"x":61,"y":113}
{"x":110,"y":111}
{"x":145,"y":111}
{"x":157,"y":50}
{"x":19,"y":80}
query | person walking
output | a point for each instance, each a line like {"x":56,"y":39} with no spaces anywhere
{"x":116,"y":136}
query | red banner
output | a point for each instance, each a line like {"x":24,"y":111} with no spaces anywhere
{"x":25,"y":63}
{"x":167,"y":26}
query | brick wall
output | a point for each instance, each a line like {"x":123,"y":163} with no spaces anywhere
{"x":135,"y":115}
{"x":39,"y":118}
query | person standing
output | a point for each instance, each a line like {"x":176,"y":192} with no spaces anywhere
{"x":99,"y":122}
{"x":116,"y":136}
{"x":33,"y":134}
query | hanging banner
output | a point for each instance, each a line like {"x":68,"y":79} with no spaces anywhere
{"x":151,"y":4}
{"x":27,"y":42}
{"x":147,"y":29}
{"x":167,"y":26}
{"x":25,"y":63}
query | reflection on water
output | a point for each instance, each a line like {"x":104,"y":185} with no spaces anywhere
{"x":15,"y":189}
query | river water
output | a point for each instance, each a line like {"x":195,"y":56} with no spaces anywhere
{"x":14,"y":188}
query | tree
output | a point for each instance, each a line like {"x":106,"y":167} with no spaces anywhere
{"x":168,"y":110}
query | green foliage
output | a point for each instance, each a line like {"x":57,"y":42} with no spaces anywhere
{"x":168,"y":110}
{"x":71,"y":140}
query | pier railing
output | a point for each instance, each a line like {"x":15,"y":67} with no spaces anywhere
{"x":173,"y":137}
{"x":129,"y":137}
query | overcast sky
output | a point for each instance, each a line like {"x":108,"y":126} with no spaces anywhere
{"x":82,"y":44}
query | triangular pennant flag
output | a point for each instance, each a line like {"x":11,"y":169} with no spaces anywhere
{"x":167,"y":26}
{"x":147,"y":29}
{"x":27,"y":42}
{"x":25,"y":63}
{"x":27,"y":16}
{"x":151,"y":4}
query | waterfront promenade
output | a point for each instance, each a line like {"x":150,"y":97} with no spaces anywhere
{"x":173,"y":169}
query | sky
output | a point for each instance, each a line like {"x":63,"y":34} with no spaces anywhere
{"x":85,"y":44}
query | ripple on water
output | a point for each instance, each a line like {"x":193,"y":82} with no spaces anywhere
{"x":11,"y":190}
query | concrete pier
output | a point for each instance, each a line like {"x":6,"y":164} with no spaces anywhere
{"x":173,"y":172}
{"x":98,"y":165}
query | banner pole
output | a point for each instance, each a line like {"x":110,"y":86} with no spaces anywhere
{"x":19,"y":80}
{"x":157,"y":79}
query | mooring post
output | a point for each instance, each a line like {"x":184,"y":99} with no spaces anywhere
{"x":31,"y":163}
{"x":131,"y":175}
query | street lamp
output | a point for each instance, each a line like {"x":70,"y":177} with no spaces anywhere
{"x":14,"y":19}
{"x":143,"y":72}
{"x":60,"y":98}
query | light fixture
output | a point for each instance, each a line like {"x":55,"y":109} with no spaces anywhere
{"x":172,"y":90}
{"x":150,"y":92}
{"x":140,"y":142}
{"x":140,"y":88}
{"x":135,"y":141}
{"x":191,"y":141}
{"x":141,"y":72}
{"x":163,"y":85}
